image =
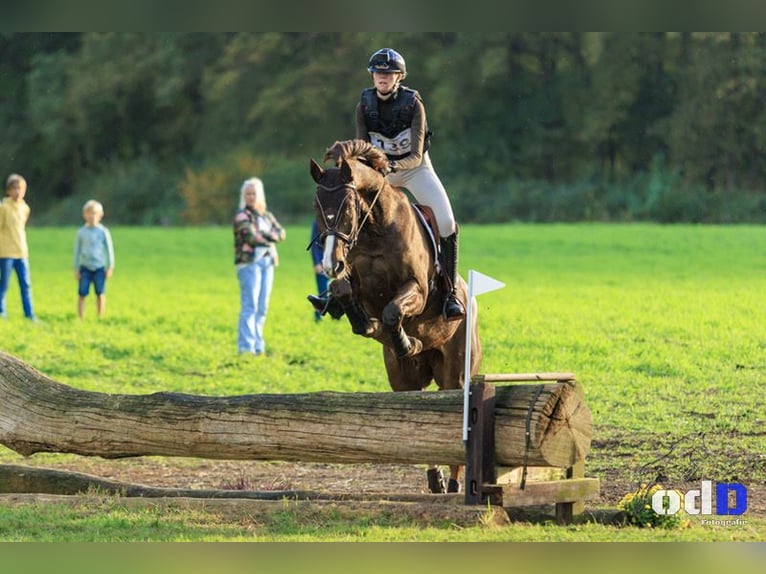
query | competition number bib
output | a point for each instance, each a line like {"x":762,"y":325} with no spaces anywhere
{"x":398,"y":145}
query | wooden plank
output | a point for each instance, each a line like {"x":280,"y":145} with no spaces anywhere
{"x":309,"y":512}
{"x":551,"y":492}
{"x":521,"y":377}
{"x":16,"y":479}
{"x":512,"y":476}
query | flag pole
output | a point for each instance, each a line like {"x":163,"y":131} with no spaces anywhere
{"x":478,"y":283}
{"x":467,"y":367}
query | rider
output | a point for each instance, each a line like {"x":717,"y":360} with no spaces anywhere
{"x":393,"y":118}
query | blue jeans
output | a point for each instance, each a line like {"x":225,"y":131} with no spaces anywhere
{"x":255,"y":282}
{"x":21,"y":266}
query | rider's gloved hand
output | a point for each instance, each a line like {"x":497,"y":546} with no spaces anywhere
{"x":390,"y":168}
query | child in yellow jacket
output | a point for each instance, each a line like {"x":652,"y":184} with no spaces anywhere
{"x":14,"y":251}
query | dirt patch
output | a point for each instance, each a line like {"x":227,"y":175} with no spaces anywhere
{"x":254,"y":475}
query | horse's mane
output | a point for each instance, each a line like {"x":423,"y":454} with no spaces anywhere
{"x":359,"y":150}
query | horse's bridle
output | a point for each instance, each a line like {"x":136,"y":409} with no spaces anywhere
{"x":331,"y":230}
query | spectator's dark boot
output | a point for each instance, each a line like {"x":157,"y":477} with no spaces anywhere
{"x":453,"y":309}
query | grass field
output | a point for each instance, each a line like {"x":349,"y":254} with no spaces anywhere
{"x":664,"y":326}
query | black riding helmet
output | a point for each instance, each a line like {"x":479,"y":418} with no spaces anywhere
{"x":387,"y":61}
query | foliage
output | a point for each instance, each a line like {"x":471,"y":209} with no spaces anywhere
{"x":211,"y":193}
{"x":658,"y":196}
{"x":573,"y":115}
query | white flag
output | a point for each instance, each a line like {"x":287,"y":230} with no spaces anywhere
{"x":478,"y":283}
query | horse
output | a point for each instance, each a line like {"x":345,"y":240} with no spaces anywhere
{"x":383,"y":263}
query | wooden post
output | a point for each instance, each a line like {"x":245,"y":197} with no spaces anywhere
{"x":480,"y":475}
{"x":566,"y":510}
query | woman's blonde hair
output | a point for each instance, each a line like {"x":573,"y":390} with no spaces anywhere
{"x":260,"y":195}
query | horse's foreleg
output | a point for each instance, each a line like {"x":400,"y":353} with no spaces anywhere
{"x":404,"y":345}
{"x":408,"y":302}
{"x":360,"y":322}
{"x":343,"y":294}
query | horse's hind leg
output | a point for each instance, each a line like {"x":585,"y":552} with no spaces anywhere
{"x":448,"y":372}
{"x":436,"y":482}
{"x":453,"y":485}
{"x":408,"y":373}
{"x":413,"y":374}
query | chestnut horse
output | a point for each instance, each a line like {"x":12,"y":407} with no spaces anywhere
{"x":383,"y":263}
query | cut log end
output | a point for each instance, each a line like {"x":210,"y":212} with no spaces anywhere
{"x":568,"y":436}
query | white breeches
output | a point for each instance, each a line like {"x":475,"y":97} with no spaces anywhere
{"x":425,"y":186}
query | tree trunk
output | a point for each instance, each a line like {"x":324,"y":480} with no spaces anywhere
{"x":38,"y":414}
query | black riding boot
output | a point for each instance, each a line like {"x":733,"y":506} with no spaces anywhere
{"x":453,"y":308}
{"x":325,"y":303}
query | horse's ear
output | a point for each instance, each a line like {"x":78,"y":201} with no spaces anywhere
{"x":316,"y":171}
{"x":345,"y":172}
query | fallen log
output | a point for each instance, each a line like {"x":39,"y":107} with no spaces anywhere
{"x":38,"y":414}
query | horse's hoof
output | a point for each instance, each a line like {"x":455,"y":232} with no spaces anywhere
{"x":453,"y":485}
{"x":436,"y":481}
{"x":415,"y":348}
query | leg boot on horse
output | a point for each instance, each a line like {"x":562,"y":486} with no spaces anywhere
{"x":453,"y":308}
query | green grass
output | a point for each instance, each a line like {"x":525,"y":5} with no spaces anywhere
{"x":663,"y":326}
{"x":106,"y":520}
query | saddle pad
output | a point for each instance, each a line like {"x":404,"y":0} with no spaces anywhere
{"x":427,"y":219}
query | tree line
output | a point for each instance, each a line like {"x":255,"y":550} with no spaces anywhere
{"x":163,"y":127}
